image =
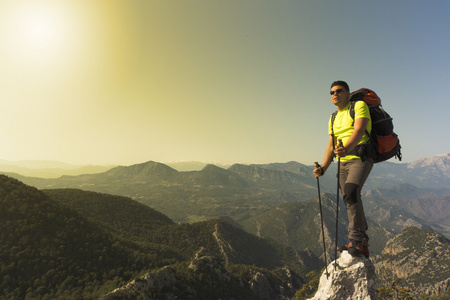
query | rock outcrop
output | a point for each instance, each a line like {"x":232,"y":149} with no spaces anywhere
{"x":348,"y":278}
{"x":156,"y":281}
{"x":207,"y":278}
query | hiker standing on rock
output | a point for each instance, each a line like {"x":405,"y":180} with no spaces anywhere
{"x":344,"y":135}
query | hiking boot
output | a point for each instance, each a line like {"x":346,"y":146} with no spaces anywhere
{"x":341,"y":248}
{"x":355,"y":248}
{"x":358,"y":248}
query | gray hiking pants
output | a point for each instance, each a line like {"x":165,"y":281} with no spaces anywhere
{"x":353,"y":175}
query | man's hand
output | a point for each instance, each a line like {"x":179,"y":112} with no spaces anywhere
{"x":340,"y":151}
{"x":318,"y":171}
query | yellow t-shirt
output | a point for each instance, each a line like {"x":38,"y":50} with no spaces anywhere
{"x":343,"y":128}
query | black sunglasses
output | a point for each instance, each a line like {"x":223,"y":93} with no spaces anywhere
{"x":336,"y":91}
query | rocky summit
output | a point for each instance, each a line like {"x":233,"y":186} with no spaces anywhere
{"x":348,"y":278}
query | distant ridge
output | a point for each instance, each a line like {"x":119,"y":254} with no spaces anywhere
{"x":184,"y":166}
{"x":149,"y":169}
{"x":291,"y":166}
{"x":440,"y":161}
{"x":46,"y":169}
{"x":212,"y":175}
{"x":271,"y":177}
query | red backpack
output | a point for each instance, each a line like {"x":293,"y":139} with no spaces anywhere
{"x":384,"y":143}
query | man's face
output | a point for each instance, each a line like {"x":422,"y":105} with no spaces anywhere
{"x":339,"y":96}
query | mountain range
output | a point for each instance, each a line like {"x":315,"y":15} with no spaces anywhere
{"x":70,"y":243}
{"x":90,"y":234}
{"x":396,"y":195}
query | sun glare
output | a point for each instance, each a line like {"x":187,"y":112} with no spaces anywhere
{"x":40,"y":29}
{"x":35,"y":30}
{"x":71,"y":37}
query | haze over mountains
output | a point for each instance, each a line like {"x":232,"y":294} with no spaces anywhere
{"x":412,"y":194}
{"x":49,"y":169}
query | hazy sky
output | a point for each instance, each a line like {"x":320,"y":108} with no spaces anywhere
{"x":124,"y":82}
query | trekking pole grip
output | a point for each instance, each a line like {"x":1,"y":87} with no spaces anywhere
{"x":319,"y":167}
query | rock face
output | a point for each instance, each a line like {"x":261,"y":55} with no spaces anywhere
{"x":410,"y":255}
{"x":354,"y":278}
{"x":207,"y":278}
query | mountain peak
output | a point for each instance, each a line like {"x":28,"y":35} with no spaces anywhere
{"x":439,"y":164}
{"x":147,"y":169}
{"x":212,"y":175}
{"x":352,"y":278}
{"x":211,"y":167}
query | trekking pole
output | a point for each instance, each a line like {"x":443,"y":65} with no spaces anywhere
{"x":321,"y":221}
{"x":337,"y":204}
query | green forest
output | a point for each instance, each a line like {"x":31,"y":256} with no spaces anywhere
{"x":72,"y":244}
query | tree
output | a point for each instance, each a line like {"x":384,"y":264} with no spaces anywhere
{"x":309,"y":289}
{"x":389,"y":287}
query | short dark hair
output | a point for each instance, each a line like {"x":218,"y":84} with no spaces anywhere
{"x":341,"y":83}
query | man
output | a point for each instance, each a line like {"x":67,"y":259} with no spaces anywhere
{"x":353,"y":170}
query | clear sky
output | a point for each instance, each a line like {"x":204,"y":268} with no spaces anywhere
{"x":124,"y":82}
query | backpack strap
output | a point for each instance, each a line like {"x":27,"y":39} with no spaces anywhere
{"x":351,"y":110}
{"x":333,"y":117}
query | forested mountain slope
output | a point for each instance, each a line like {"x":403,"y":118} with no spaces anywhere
{"x":56,"y":247}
